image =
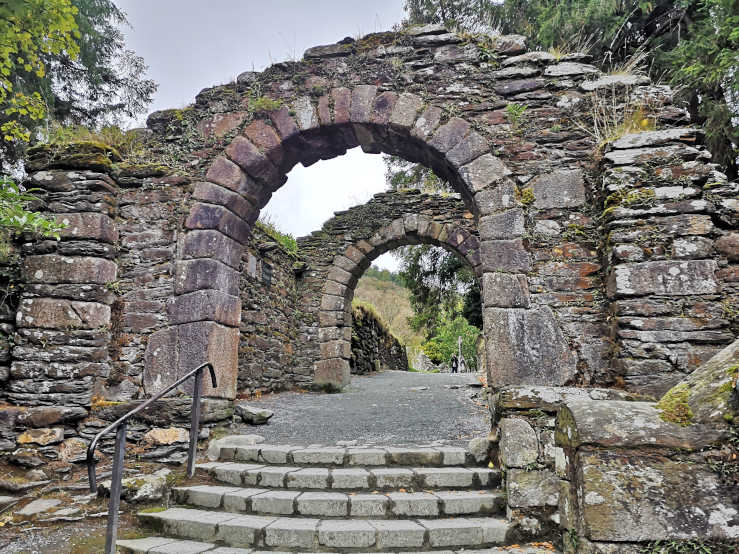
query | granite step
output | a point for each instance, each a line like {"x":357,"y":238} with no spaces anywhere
{"x":340,"y":504}
{"x":344,"y":456}
{"x":162,"y":545}
{"x":352,"y":479}
{"x":317,"y":535}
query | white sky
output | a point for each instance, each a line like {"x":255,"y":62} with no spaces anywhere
{"x":191,"y":44}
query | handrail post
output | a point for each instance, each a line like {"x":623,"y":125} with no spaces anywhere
{"x":115,"y":489}
{"x":194,"y":422}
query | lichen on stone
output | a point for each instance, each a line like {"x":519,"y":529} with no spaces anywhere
{"x":674,"y":407}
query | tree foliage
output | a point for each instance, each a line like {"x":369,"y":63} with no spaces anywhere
{"x":65,"y":61}
{"x":443,"y":344}
{"x":16,"y":218}
{"x":692,"y":44}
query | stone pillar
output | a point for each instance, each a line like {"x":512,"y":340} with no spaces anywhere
{"x":64,"y":315}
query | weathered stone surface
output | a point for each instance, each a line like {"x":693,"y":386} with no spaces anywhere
{"x":644,"y":155}
{"x":510,"y":45}
{"x":610,"y":81}
{"x":620,"y":424}
{"x":655,"y":138}
{"x":519,"y":445}
{"x":528,"y":489}
{"x":253,"y":162}
{"x":207,"y":216}
{"x":73,"y":450}
{"x":220,"y":124}
{"x":666,"y":499}
{"x":205,"y":305}
{"x":42,"y":437}
{"x":518,"y":86}
{"x":56,"y":313}
{"x":62,"y":269}
{"x":559,"y":189}
{"x":38,"y":506}
{"x":362,"y":101}
{"x":214,"y":194}
{"x":505,"y":290}
{"x":564,"y":69}
{"x":87,"y":226}
{"x":252,"y":415}
{"x":728,"y":245}
{"x":664,"y":277}
{"x":504,"y":225}
{"x":526,"y":346}
{"x":142,"y":488}
{"x":212,"y":244}
{"x":172,"y":435}
{"x":330,"y":51}
{"x":709,"y":388}
{"x":505,"y":255}
{"x":203,"y":274}
{"x":484,"y":172}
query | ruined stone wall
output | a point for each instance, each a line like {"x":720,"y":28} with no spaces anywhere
{"x":374,"y":347}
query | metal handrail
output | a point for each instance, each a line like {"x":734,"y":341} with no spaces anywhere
{"x":120,"y":446}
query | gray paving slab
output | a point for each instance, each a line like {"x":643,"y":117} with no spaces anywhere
{"x":399,"y":534}
{"x":368,"y":505}
{"x":274,"y":502}
{"x":308,"y":478}
{"x":353,"y":533}
{"x":243,"y":530}
{"x":418,"y":504}
{"x":291,"y":533}
{"x":323,"y":504}
{"x":350,"y":478}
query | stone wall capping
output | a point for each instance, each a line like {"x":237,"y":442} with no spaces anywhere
{"x":552,"y":398}
{"x":627,"y":424}
{"x":656,"y":138}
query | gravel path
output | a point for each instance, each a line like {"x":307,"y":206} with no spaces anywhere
{"x":387,"y":408}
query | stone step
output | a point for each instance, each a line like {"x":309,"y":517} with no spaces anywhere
{"x":340,"y":504}
{"x":352,"y":479}
{"x":344,"y":457}
{"x":162,"y":545}
{"x":315,"y":535}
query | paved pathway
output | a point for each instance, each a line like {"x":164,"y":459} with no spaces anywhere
{"x":387,"y":408}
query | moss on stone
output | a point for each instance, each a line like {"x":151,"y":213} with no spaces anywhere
{"x":525,"y":196}
{"x":674,"y":407}
{"x":140,"y":170}
{"x":87,"y":154}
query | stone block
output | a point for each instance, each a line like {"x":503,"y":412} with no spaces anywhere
{"x":346,"y":534}
{"x":334,"y":371}
{"x":323,"y":504}
{"x":319,"y":456}
{"x":254,"y":163}
{"x":243,"y":530}
{"x":382,"y":107}
{"x":518,"y":86}
{"x":405,"y":111}
{"x":57,"y":313}
{"x":308,"y":478}
{"x":526,"y":346}
{"x":452,"y":456}
{"x":87,"y":225}
{"x":449,"y":135}
{"x":455,"y":503}
{"x":468,"y":149}
{"x":205,"y":305}
{"x":559,"y":189}
{"x":272,"y":477}
{"x":209,"y":216}
{"x":528,"y":489}
{"x":505,"y":290}
{"x":519,"y":445}
{"x":677,"y":278}
{"x":215,"y":194}
{"x":497,"y":198}
{"x":291,"y":533}
{"x":274,"y":502}
{"x":414,"y":504}
{"x":61,"y":269}
{"x":206,"y":341}
{"x":654,"y":138}
{"x":205,"y":273}
{"x":362,"y":100}
{"x":728,"y":245}
{"x":641,"y":156}
{"x":426,"y":123}
{"x":266,"y":139}
{"x":305,"y":113}
{"x":413,"y":456}
{"x":366,"y":457}
{"x":624,"y":424}
{"x":484,"y":172}
{"x":368,"y":505}
{"x":41,"y":437}
{"x":667,"y":499}
{"x":453,"y":532}
{"x":275,"y":454}
{"x":226,"y":173}
{"x":445,"y":477}
{"x":392,"y":478}
{"x":509,"y":256}
{"x":212,"y":244}
{"x":505,"y":225}
{"x":399,"y":534}
{"x":237,"y":500}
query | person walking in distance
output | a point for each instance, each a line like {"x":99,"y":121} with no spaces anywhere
{"x":454,"y":364}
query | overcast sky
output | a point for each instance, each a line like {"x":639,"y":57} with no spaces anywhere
{"x":190,"y":45}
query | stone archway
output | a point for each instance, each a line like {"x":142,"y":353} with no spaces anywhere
{"x":335,"y":319}
{"x":240,"y":182}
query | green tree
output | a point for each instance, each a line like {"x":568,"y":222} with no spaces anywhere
{"x":443,"y":344}
{"x":75,"y":68}
{"x":17,"y":219}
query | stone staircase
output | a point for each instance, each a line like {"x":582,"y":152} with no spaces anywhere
{"x":296,"y":499}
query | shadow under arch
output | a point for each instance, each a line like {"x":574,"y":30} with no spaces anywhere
{"x":335,"y":318}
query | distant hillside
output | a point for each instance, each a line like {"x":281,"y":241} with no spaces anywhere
{"x":390,"y":300}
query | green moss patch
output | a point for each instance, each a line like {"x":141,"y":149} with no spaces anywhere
{"x":674,"y":407}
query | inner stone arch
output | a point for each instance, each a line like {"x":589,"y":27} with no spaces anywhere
{"x":335,"y":318}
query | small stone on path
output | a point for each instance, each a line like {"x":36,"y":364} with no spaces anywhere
{"x":253,"y":416}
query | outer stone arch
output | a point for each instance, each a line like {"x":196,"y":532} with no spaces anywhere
{"x":335,"y":318}
{"x":205,"y":312}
